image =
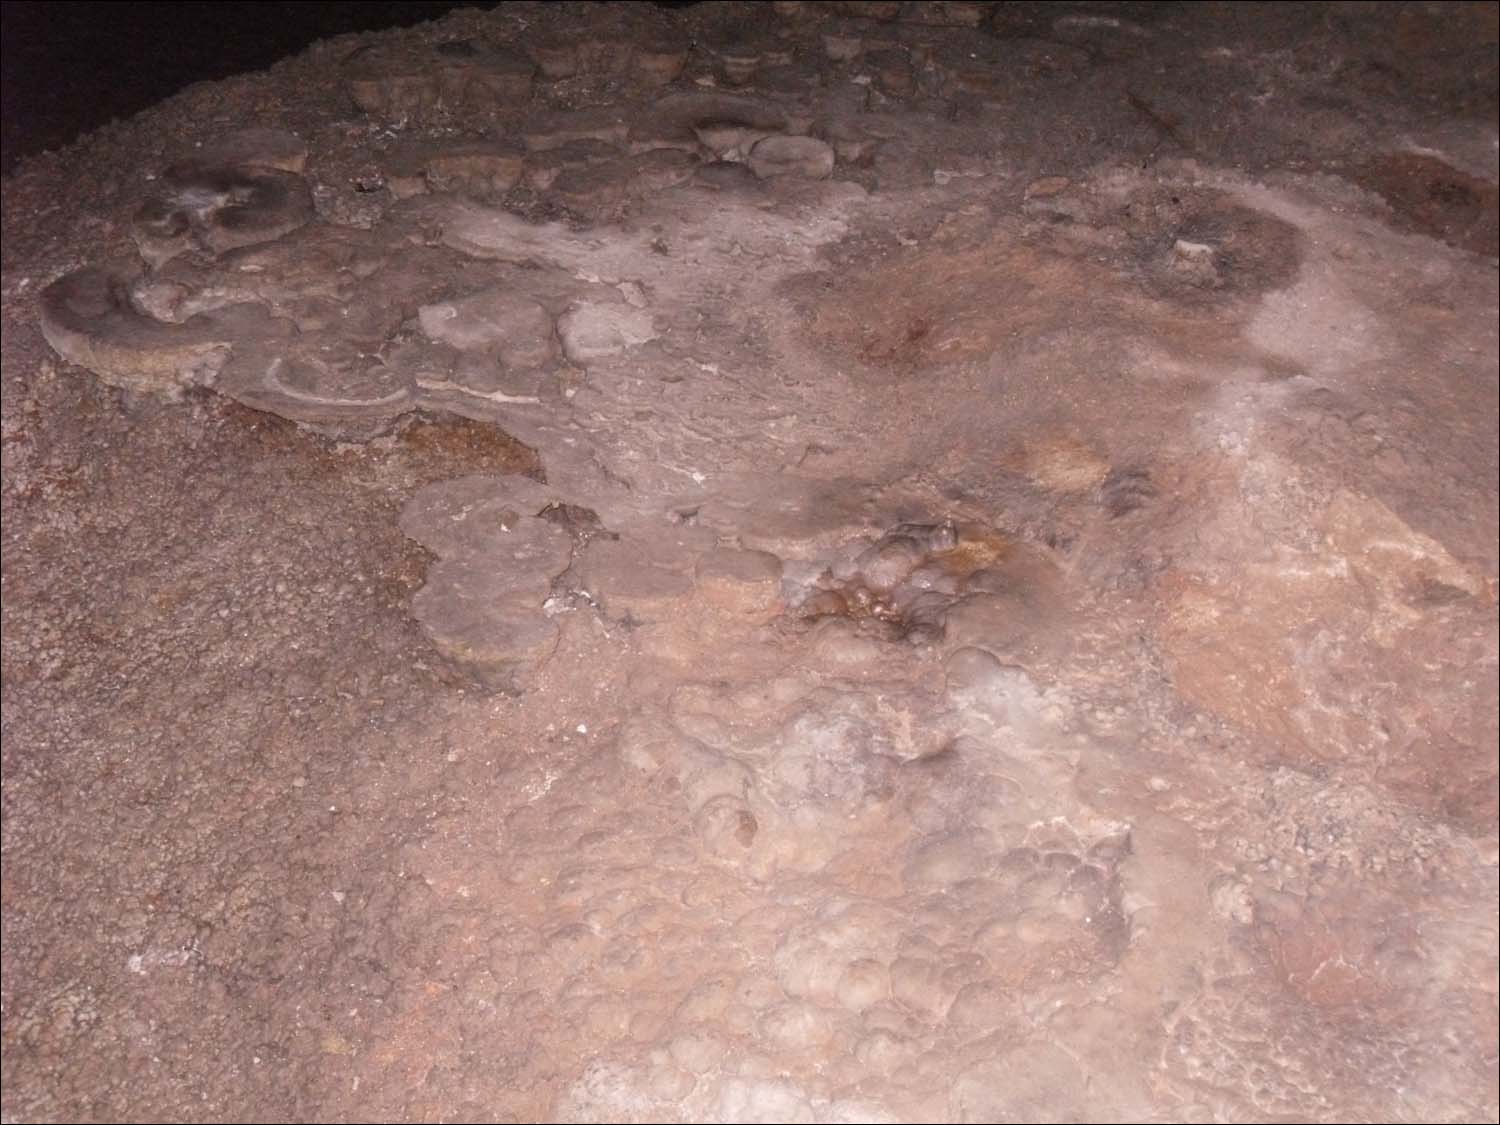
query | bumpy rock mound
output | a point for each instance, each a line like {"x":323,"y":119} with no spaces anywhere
{"x":1002,"y":623}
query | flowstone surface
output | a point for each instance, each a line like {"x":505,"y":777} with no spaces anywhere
{"x":990,"y":614}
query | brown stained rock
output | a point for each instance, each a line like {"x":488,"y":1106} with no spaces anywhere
{"x":891,"y":68}
{"x":744,"y":583}
{"x":556,"y":57}
{"x":659,"y":60}
{"x":1438,"y":199}
{"x":480,"y":170}
{"x":804,"y":157}
{"x":1062,"y":464}
{"x":1394,"y":607}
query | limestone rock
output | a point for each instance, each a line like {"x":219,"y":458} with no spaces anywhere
{"x":218,"y":207}
{"x":746,"y":583}
{"x":480,"y":170}
{"x":892,"y":70}
{"x":591,"y":331}
{"x":502,"y":322}
{"x":543,"y":168}
{"x":257,"y":146}
{"x":482,"y":605}
{"x":659,"y":60}
{"x":593,"y":187}
{"x":557,"y":128}
{"x":842,"y":44}
{"x":661,"y":170}
{"x":320,"y":378}
{"x":463,"y":516}
{"x":88,"y":318}
{"x":628,"y":581}
{"x":729,"y":140}
{"x":555,"y":56}
{"x":806,"y":157}
{"x":404,"y":82}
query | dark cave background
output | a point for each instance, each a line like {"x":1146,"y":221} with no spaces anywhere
{"x":69,"y":66}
